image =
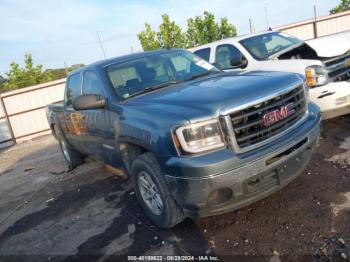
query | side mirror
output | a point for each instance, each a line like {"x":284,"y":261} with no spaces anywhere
{"x":85,"y":102}
{"x":239,"y":62}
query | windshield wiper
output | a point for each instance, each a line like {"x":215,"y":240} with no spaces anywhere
{"x":151,"y":88}
{"x":165,"y":84}
{"x":202,"y":75}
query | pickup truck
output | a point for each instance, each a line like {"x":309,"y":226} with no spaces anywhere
{"x":196,"y":141}
{"x":324,"y":62}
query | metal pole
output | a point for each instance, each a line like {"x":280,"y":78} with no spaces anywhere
{"x":250,"y":25}
{"x":7,"y":119}
{"x":266,"y":19}
{"x":99,"y":40}
{"x":315,"y":23}
{"x":65,"y":67}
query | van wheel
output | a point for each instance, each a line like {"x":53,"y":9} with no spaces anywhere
{"x":153,"y":194}
{"x":72,"y":156}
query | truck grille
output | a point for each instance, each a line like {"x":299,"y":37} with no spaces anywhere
{"x":248,"y":124}
{"x":338,"y":68}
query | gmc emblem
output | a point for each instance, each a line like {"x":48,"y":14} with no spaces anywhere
{"x":277,"y":115}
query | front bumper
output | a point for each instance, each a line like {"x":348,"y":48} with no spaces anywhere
{"x":333,"y":98}
{"x":251,"y":176}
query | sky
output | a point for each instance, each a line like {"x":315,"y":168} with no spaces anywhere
{"x":64,"y":31}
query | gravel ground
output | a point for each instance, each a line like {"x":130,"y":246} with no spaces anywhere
{"x":47,"y":213}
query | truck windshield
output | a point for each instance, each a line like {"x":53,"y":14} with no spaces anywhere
{"x":263,"y":46}
{"x":156,"y":71}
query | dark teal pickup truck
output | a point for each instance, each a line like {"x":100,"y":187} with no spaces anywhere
{"x":196,"y":141}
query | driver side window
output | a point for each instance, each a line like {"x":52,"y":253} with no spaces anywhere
{"x":224,"y":54}
{"x":92,"y":84}
{"x":72,"y":89}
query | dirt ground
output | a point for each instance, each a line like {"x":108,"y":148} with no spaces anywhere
{"x":48,"y":214}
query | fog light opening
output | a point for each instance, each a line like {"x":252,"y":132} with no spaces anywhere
{"x":220,"y":196}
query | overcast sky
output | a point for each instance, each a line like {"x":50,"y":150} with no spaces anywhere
{"x":61,"y":31}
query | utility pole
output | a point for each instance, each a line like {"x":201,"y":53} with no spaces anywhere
{"x":315,"y":22}
{"x":99,"y":40}
{"x":266,"y":19}
{"x":250,"y":25}
{"x":65,"y":67}
{"x":132,"y":49}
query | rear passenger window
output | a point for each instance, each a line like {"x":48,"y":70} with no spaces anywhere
{"x":92,"y":84}
{"x":73,"y":89}
{"x":203,"y":53}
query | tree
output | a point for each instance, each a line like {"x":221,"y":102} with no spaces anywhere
{"x":148,"y":38}
{"x":200,"y":30}
{"x":19,"y":77}
{"x":2,"y":82}
{"x":170,"y":35}
{"x":344,"y":5}
{"x":59,"y":73}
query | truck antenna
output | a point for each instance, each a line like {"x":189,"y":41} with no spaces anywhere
{"x":99,"y":40}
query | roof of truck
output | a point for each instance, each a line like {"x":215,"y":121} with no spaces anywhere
{"x":124,"y":58}
{"x":230,"y":39}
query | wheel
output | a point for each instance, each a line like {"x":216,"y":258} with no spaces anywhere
{"x":72,"y":156}
{"x":152,"y":192}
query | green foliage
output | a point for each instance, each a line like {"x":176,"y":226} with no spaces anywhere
{"x":2,"y":82}
{"x":19,"y":77}
{"x":203,"y":29}
{"x":170,"y":34}
{"x":344,"y":5}
{"x":200,"y":30}
{"x":59,"y":73}
{"x":148,"y":38}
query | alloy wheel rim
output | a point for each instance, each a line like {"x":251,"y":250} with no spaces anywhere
{"x":150,"y":193}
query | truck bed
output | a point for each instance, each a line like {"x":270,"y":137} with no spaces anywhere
{"x":56,"y":107}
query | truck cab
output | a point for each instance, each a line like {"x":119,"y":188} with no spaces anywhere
{"x":324,"y":62}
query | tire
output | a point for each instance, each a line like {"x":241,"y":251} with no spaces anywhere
{"x":72,"y":156}
{"x":170,"y":213}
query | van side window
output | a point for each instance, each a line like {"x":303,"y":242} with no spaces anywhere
{"x":224,"y":54}
{"x":73,"y":89}
{"x":92,"y":84}
{"x":203,"y":53}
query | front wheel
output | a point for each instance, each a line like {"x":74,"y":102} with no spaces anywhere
{"x":152,"y":192}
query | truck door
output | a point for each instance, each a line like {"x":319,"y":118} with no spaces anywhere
{"x":99,"y":128}
{"x":73,"y":120}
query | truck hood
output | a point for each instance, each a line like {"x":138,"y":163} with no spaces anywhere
{"x":332,"y":45}
{"x":201,"y":99}
{"x":295,"y":65}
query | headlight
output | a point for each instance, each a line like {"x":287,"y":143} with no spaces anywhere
{"x":200,"y":137}
{"x":316,"y":75}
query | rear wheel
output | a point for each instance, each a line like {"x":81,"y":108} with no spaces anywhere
{"x":72,"y":156}
{"x":153,"y":194}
